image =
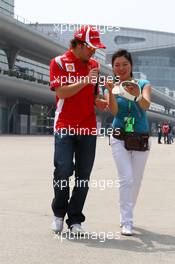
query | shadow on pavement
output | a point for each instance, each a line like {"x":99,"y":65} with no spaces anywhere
{"x":142,"y":241}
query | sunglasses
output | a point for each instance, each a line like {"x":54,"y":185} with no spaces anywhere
{"x":89,"y":47}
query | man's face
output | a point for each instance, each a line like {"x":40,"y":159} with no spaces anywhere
{"x":85,"y":51}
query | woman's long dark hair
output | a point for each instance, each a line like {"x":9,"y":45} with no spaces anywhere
{"x":124,"y":53}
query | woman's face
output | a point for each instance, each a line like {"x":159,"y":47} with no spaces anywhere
{"x":122,"y":68}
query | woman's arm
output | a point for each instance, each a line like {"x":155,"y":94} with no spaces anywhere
{"x":113,"y":106}
{"x":145,"y":102}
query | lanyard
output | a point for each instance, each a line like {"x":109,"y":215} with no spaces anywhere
{"x":129,"y":108}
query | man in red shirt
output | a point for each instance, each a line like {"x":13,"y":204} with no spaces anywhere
{"x":74,"y":78}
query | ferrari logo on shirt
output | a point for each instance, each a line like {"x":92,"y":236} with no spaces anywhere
{"x":70,"y":67}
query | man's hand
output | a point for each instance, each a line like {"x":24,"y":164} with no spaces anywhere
{"x":93,"y":76}
{"x":101,"y":104}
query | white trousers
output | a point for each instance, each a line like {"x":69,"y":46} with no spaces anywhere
{"x":130,"y":166}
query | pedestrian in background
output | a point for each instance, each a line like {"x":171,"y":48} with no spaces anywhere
{"x":159,"y":133}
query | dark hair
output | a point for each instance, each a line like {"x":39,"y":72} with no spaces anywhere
{"x":74,"y":42}
{"x":126,"y":54}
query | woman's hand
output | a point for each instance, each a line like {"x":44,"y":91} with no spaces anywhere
{"x":133,"y":89}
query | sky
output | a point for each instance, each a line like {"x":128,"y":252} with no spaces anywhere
{"x":143,"y":14}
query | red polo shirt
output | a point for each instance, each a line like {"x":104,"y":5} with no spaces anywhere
{"x":76,"y":111}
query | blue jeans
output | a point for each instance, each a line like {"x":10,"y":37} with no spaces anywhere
{"x":72,"y":153}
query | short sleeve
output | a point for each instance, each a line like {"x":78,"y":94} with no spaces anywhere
{"x":142,"y":83}
{"x":57,"y":75}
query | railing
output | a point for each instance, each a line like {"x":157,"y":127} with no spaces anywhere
{"x":24,"y":76}
{"x":161,"y":112}
{"x":15,"y":16}
{"x":162,"y":93}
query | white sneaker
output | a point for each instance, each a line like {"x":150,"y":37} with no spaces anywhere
{"x":127,"y":229}
{"x":57,"y":224}
{"x":77,"y":230}
{"x":121,"y":225}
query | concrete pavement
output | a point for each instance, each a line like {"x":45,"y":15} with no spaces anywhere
{"x":25,"y":213}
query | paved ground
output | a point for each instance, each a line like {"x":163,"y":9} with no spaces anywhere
{"x":25,"y":214}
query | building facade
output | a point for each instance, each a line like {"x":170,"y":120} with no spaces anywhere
{"x":7,"y":7}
